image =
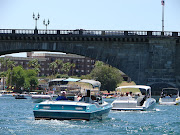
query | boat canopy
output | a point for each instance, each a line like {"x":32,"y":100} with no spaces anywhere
{"x":92,"y":82}
{"x":134,"y":86}
{"x":57,"y":80}
{"x":71,"y":80}
{"x":144,"y":87}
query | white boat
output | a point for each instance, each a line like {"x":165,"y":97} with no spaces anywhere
{"x":5,"y":93}
{"x":88,"y":108}
{"x":143,"y":102}
{"x":169,"y":96}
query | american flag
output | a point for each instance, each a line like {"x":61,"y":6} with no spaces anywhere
{"x":162,"y":2}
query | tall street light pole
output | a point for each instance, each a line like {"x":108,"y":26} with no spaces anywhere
{"x":46,"y":24}
{"x":36,"y":18}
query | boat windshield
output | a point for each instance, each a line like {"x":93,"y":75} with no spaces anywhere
{"x":170,"y":92}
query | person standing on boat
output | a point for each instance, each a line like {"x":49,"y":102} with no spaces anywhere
{"x":62,"y":97}
{"x":130,"y":94}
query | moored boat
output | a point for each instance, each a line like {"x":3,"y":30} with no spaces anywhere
{"x":142,"y":102}
{"x":88,"y":108}
{"x":20,"y":97}
{"x":169,"y":96}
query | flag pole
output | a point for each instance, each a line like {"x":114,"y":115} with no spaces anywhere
{"x":163,"y":15}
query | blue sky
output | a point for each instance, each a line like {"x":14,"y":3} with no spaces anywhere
{"x":91,"y":14}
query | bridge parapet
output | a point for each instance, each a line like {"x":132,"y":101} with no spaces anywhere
{"x":90,"y":32}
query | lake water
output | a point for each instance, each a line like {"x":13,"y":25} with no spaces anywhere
{"x":16,"y":118}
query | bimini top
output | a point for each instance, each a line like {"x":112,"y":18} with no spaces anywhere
{"x":92,"y":82}
{"x":71,"y":80}
{"x":135,"y":86}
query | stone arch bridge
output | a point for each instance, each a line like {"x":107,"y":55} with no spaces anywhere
{"x":147,"y":57}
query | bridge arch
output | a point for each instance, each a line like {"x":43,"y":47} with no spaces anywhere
{"x":157,"y":87}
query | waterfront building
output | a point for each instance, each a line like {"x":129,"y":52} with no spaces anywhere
{"x":83,"y":65}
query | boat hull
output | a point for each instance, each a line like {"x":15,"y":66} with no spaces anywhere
{"x":129,"y":105}
{"x":71,"y":110}
{"x":64,"y":115}
{"x":169,"y":101}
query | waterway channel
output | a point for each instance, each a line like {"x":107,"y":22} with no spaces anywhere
{"x":16,"y":118}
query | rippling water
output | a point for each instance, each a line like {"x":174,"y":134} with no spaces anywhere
{"x":16,"y":118}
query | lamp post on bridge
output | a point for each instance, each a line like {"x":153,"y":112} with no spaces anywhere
{"x":46,"y":24}
{"x":36,"y":18}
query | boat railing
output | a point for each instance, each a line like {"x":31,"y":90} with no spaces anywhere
{"x":90,"y":32}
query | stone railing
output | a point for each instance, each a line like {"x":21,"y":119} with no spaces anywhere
{"x":90,"y":32}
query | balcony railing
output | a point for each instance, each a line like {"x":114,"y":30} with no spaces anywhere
{"x":90,"y":32}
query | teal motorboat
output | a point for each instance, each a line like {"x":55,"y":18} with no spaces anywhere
{"x":88,"y":108}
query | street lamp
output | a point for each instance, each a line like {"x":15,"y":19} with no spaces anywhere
{"x":46,"y":24}
{"x":36,"y":18}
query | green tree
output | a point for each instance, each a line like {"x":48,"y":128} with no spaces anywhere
{"x":107,"y":75}
{"x":31,"y":80}
{"x":53,"y":66}
{"x":10,"y":65}
{"x":3,"y":64}
{"x":73,"y":65}
{"x":59,"y":65}
{"x":66,"y":67}
{"x":18,"y":78}
{"x":99,"y":64}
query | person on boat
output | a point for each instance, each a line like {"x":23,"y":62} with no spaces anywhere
{"x":130,"y":94}
{"x":167,"y":96}
{"x":62,"y":97}
{"x":143,"y":99}
{"x":79,"y":97}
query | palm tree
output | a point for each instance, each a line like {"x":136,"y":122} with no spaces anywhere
{"x":34,"y":64}
{"x":3,"y":64}
{"x":53,"y":66}
{"x":59,"y":64}
{"x":11,"y":65}
{"x":66,"y":67}
{"x":73,"y":65}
